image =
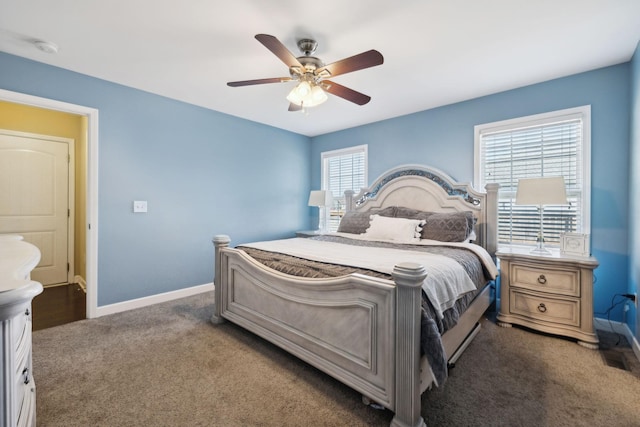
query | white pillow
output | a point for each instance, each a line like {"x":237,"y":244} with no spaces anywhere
{"x":397,"y":229}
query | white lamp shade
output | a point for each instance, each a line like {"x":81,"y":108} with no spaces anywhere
{"x":298,"y":93}
{"x":320,"y":198}
{"x":541,"y":191}
{"x":308,"y":95}
{"x":318,"y":96}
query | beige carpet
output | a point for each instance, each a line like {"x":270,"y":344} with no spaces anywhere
{"x":166,"y":365}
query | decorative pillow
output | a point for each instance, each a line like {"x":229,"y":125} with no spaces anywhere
{"x":358,"y":222}
{"x":354,"y":222}
{"x":448,"y":227}
{"x":388,"y":211}
{"x":471,"y":223}
{"x":398,"y":229}
{"x":471,"y":237}
{"x":402,"y":212}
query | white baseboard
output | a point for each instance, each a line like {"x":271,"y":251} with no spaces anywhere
{"x":153,"y":299}
{"x":80,"y":281}
{"x":620,"y":328}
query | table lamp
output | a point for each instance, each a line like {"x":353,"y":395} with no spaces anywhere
{"x":541,"y":191}
{"x":321,"y":199}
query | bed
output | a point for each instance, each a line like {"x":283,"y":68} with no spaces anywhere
{"x":366,"y":330}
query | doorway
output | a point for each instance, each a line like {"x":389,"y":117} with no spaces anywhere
{"x":37,"y":200}
{"x":86,"y":185}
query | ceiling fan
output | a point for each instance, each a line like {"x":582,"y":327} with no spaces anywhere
{"x":311,"y":73}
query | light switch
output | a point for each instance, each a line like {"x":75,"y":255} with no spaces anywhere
{"x":139,"y":206}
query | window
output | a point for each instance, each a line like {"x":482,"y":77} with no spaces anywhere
{"x":552,"y":144}
{"x":342,"y":170}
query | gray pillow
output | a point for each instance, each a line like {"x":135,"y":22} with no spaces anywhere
{"x":402,"y":212}
{"x":389,"y":211}
{"x":358,"y":222}
{"x":354,"y":222}
{"x":448,"y":227}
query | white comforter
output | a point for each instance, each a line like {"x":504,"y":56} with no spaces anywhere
{"x":446,"y":280}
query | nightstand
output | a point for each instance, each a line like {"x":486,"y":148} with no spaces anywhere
{"x":552,"y":294}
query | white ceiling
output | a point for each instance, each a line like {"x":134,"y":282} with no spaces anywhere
{"x":436,"y":52}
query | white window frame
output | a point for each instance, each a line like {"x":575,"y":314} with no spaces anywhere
{"x":338,"y":200}
{"x":583,"y":113}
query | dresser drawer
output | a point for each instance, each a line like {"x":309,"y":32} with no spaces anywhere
{"x":23,"y":382}
{"x":27,"y":412}
{"x":23,"y":351}
{"x":564,"y":311}
{"x":18,"y":325}
{"x":23,"y":345}
{"x":556,"y":281}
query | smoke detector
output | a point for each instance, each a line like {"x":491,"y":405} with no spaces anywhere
{"x":45,"y":46}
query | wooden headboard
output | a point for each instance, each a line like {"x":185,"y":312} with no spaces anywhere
{"x":429,"y":189}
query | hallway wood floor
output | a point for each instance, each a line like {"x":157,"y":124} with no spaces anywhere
{"x":58,"y":305}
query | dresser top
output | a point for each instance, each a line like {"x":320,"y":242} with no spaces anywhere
{"x":17,"y":259}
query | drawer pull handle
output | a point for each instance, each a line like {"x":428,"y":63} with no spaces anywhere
{"x":542,"y":308}
{"x":25,"y":374}
{"x":542,"y":280}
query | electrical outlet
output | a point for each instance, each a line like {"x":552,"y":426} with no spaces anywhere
{"x":139,"y":206}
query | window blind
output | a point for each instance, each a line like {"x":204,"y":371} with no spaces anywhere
{"x":343,"y":170}
{"x":552,"y":148}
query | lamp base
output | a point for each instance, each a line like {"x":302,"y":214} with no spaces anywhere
{"x":540,"y":251}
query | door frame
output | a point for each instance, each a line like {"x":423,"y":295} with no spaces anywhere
{"x":71,"y":192}
{"x":92,"y":181}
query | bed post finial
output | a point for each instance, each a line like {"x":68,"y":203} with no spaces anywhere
{"x":348,"y":200}
{"x":219,"y":241}
{"x":408,"y":278}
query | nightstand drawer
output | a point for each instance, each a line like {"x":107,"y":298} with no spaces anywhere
{"x":556,"y":310}
{"x":561,"y":282}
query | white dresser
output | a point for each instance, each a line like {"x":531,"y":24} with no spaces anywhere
{"x":17,"y":388}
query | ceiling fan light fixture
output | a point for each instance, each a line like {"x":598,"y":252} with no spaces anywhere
{"x":294,"y":96}
{"x":318,"y":95}
{"x":307,"y":94}
{"x":303,"y":89}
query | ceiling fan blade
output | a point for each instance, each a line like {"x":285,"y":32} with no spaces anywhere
{"x":367,"y":59}
{"x":345,"y":92}
{"x":259,"y":81}
{"x":279,"y":50}
{"x":294,"y":107}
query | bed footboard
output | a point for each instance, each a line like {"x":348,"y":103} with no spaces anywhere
{"x":363,"y":331}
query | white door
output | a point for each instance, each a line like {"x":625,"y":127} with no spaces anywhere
{"x":34,"y":198}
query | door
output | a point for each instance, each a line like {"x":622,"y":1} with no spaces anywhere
{"x":34,"y":198}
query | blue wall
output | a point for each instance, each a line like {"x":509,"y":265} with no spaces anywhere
{"x":202,"y":173}
{"x":634,"y":194}
{"x":443,"y":137}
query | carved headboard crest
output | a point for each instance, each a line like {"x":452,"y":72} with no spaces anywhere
{"x":460,"y":192}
